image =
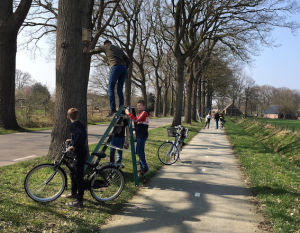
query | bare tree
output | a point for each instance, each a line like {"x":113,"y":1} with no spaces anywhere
{"x":22,"y":79}
{"x":10,"y":22}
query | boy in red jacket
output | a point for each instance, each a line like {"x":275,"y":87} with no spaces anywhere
{"x":142,"y":121}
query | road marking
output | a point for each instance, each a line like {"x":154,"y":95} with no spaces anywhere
{"x":203,"y":170}
{"x":197,"y":194}
{"x":25,"y":157}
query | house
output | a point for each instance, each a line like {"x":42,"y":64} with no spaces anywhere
{"x":232,"y":110}
{"x":272,"y":112}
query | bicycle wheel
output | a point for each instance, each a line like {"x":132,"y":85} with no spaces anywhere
{"x":43,"y":183}
{"x":168,"y":153}
{"x":107,"y":184}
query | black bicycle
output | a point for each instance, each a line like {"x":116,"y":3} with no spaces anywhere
{"x":46,"y":182}
{"x":168,"y":152}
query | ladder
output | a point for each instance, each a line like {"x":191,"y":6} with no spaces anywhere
{"x":115,"y":123}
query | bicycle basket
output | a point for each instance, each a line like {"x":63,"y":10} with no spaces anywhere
{"x":184,"y":133}
{"x":171,"y":132}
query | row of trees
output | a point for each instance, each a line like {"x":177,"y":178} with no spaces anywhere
{"x":253,"y":99}
{"x":177,"y":44}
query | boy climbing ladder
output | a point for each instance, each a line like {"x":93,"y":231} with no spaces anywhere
{"x":142,"y":121}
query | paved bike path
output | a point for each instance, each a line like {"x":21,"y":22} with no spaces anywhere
{"x":203,"y":193}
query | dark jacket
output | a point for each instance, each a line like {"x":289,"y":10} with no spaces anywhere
{"x":78,"y":135}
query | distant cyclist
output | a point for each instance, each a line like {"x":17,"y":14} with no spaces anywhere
{"x":222,"y":118}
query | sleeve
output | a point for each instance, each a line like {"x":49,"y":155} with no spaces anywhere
{"x":139,"y":118}
{"x":127,"y":60}
{"x":98,"y":50}
{"x":79,"y":135}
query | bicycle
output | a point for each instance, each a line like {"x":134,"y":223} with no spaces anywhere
{"x":222,"y":125}
{"x":46,"y":182}
{"x":168,"y":152}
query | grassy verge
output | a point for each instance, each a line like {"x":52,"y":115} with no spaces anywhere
{"x":274,"y":179}
{"x":21,"y":214}
{"x":281,"y":141}
{"x":292,"y":125}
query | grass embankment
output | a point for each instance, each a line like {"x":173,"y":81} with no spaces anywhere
{"x":292,"y":125}
{"x":21,"y":214}
{"x":274,"y":179}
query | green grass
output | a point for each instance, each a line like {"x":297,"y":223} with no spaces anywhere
{"x":274,"y":179}
{"x":280,"y":123}
{"x":21,"y":214}
{"x":284,"y":142}
{"x":21,"y":129}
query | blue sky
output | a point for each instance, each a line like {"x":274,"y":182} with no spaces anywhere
{"x":278,"y":67}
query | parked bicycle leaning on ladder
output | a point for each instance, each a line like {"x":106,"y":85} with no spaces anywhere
{"x":46,"y":182}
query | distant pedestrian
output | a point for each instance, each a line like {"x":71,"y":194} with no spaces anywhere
{"x":207,"y":120}
{"x":217,"y":117}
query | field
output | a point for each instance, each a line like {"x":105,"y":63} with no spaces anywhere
{"x":292,"y":125}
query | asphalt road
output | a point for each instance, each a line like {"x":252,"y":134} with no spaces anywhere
{"x":18,"y":147}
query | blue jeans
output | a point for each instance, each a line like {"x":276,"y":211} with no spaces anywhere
{"x":140,"y":150}
{"x":118,"y":142}
{"x":217,"y":122}
{"x":117,"y":74}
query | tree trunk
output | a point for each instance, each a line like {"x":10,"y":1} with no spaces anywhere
{"x":72,"y":71}
{"x":194,"y":95}
{"x":172,"y":98}
{"x":194,"y":101}
{"x":203,"y":113}
{"x":179,"y":91}
{"x":144,"y":90}
{"x":157,"y":101}
{"x":199,"y":99}
{"x":209,"y":98}
{"x":10,"y":24}
{"x":189,"y":92}
{"x":157,"y":95}
{"x":166,"y":90}
{"x":127,"y":95}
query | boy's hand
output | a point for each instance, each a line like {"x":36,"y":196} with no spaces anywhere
{"x":68,"y":140}
{"x":70,"y":149}
{"x":127,"y":112}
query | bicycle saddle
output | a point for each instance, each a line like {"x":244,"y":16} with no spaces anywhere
{"x":100,"y":154}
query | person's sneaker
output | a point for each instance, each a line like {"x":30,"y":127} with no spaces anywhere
{"x":75,"y":203}
{"x":144,"y":172}
{"x":111,"y":113}
{"x":69,"y":195}
{"x":139,"y":171}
